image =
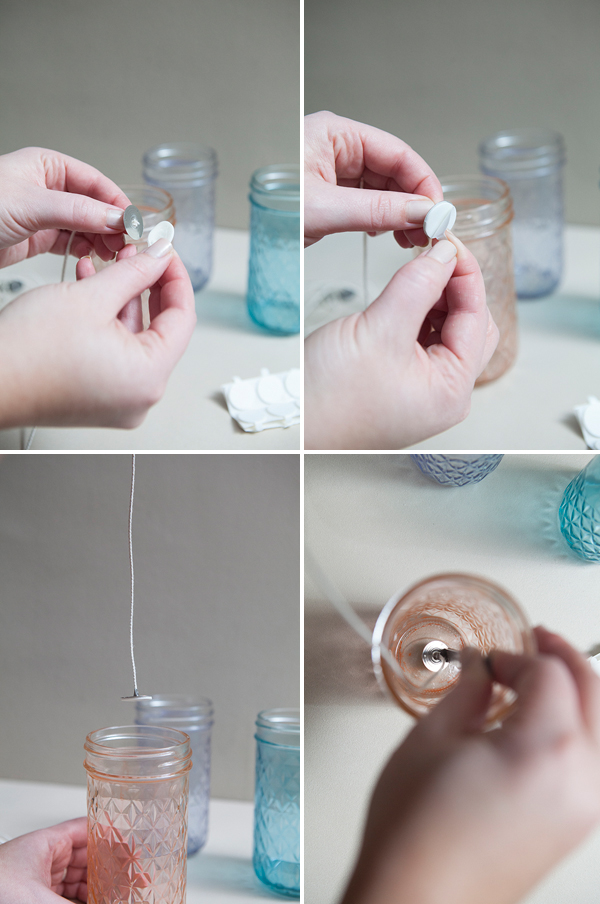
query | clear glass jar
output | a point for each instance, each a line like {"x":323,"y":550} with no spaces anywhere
{"x":188,"y":171}
{"x":457,"y":470}
{"x":579,"y":512}
{"x":276,"y":857}
{"x":194,"y":716}
{"x":531,"y":162}
{"x":425,"y":629}
{"x":484,"y":213}
{"x":274,"y":268}
{"x":137,"y":814}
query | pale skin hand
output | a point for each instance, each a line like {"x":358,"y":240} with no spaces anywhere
{"x":47,"y":195}
{"x":340,"y":153}
{"x":464,"y":816}
{"x":404,"y":369}
{"x":68,"y":359}
{"x":46,"y":866}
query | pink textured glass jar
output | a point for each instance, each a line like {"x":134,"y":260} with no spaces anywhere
{"x":137,"y":814}
{"x":483,"y":222}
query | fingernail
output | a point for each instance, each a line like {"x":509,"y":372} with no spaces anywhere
{"x":416,"y":211}
{"x":114,"y":218}
{"x":443,"y":252}
{"x":159,"y":249}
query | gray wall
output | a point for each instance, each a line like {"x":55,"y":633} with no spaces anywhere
{"x":444,"y":75}
{"x":216,"y":552}
{"x":104,"y":81}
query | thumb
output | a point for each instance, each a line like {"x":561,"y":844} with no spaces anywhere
{"x":398,"y":313}
{"x":465,"y":707}
{"x":67,"y":210}
{"x":343,"y":209}
{"x":113,"y":287}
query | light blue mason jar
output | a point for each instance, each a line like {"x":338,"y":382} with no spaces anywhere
{"x":457,"y":470}
{"x":579,"y":512}
{"x":188,"y":171}
{"x":276,"y":857}
{"x":531,"y":162}
{"x":194,"y":716}
{"x":274,"y":269}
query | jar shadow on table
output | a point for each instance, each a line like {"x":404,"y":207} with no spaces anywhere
{"x":226,"y":310}
{"x":211,"y":871}
{"x":337,"y":663}
{"x":572,"y":316}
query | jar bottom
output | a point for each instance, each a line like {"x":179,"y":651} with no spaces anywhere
{"x":530,"y":282}
{"x":280,"y":317}
{"x":281,"y":876}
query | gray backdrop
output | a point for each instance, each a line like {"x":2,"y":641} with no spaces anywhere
{"x":216,"y":551}
{"x":443,"y":75}
{"x":105,"y":81}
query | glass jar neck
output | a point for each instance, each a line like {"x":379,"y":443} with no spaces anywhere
{"x":277,"y":187}
{"x":180,"y":164}
{"x":522,"y":153}
{"x":279,"y":726}
{"x":181,"y":709}
{"x":138,"y":752}
{"x":483,"y":205}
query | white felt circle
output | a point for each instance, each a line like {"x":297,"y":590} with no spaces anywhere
{"x":591,"y":420}
{"x":442,"y":216}
{"x":292,"y":383}
{"x":243,"y":396}
{"x":162,"y":230}
{"x":270,"y":389}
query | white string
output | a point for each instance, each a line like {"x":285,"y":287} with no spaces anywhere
{"x":365,"y":280}
{"x":339,"y":602}
{"x":135,"y":688}
{"x":62,"y":279}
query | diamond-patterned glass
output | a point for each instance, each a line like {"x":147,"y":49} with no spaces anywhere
{"x":579,"y":512}
{"x":456,"y":471}
{"x":137,"y":838}
{"x":277,"y":818}
{"x":274,"y":269}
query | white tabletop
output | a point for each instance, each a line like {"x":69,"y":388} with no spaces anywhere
{"x":558,"y":366}
{"x":225,"y":343}
{"x":221,"y":873}
{"x":377,"y":526}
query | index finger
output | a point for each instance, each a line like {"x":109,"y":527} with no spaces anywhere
{"x":172,"y":311}
{"x":64,"y":173}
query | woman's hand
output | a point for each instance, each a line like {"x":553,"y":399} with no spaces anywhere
{"x":68,"y":359}
{"x":398,"y":188}
{"x":404,"y":369}
{"x":45,"y":196}
{"x":464,"y":816}
{"x":46,"y":866}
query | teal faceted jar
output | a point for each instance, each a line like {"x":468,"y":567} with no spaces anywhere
{"x":274,"y":270}
{"x":276,"y":857}
{"x":579,"y":512}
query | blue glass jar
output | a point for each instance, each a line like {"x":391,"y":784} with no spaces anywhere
{"x":579,"y":512}
{"x":274,"y":270}
{"x":276,"y":857}
{"x":188,"y":171}
{"x":457,"y":470}
{"x":194,"y":716}
{"x":531,"y":162}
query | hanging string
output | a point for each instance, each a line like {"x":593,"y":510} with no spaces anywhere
{"x":62,"y":279}
{"x":135,"y":688}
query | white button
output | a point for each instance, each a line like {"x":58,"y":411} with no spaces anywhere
{"x":442,"y":216}
{"x":162,"y":230}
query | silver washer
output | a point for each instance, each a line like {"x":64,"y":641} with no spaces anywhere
{"x":133,"y":222}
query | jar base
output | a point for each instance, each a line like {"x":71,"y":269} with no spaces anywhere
{"x":280,"y":876}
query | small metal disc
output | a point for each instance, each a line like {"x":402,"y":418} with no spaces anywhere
{"x":133,"y":222}
{"x":437,"y":654}
{"x":137,"y":697}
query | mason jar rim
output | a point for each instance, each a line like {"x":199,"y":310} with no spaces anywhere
{"x":179,"y":163}
{"x":277,"y":187}
{"x":194,"y":711}
{"x":506,"y":600}
{"x":112,"y":751}
{"x":483,"y":203}
{"x":280,"y":726}
{"x":526,"y":150}
{"x":143,"y":196}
